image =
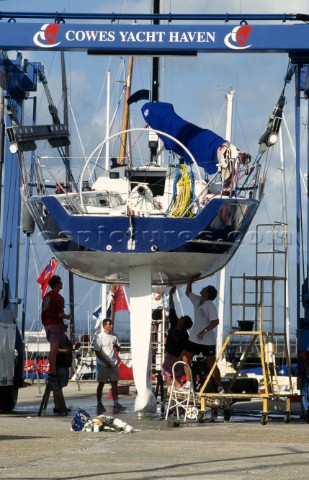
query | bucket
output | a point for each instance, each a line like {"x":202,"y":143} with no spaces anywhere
{"x":245,"y":325}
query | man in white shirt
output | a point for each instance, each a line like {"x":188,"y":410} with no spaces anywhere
{"x":202,"y":335}
{"x":105,"y":346}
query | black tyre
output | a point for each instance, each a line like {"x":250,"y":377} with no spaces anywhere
{"x":201,"y":418}
{"x":264,"y":419}
{"x":287,"y":417}
{"x":227,"y":415}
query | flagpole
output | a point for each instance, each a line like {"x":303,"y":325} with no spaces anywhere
{"x":68,"y":179}
{"x":103,"y":301}
{"x":222,"y":277}
{"x":107,"y":165}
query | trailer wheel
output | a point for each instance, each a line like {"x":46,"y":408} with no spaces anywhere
{"x":201,"y":418}
{"x":264,"y":419}
{"x":227,"y":415}
{"x":192,"y":413}
{"x":8,"y":398}
{"x":287,"y":417}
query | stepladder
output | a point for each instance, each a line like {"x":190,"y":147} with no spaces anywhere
{"x":53,"y":385}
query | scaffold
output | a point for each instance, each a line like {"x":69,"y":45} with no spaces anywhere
{"x":255,"y":315}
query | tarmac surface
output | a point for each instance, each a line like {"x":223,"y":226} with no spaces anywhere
{"x":33,"y":447}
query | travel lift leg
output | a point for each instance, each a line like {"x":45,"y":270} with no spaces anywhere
{"x":140,"y":324}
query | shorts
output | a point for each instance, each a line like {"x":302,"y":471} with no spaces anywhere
{"x":54,"y":333}
{"x":197,"y":348}
{"x":168,"y":365}
{"x":105,"y":374}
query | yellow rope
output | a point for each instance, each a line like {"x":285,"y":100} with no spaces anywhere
{"x":182,"y":202}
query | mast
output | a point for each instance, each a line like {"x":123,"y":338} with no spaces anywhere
{"x":68,"y":180}
{"x":155,"y":85}
{"x":125,"y":118}
{"x":155,"y":60}
{"x":107,"y":130}
{"x":107,"y":166}
{"x":228,"y":136}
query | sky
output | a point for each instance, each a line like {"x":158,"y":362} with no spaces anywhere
{"x":197,"y":89}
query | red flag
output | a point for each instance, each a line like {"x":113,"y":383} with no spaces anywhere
{"x":120,"y":299}
{"x":46,"y":275}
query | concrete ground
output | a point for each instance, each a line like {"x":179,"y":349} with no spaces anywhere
{"x":33,"y":447}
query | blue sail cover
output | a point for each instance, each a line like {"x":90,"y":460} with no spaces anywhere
{"x":202,"y":143}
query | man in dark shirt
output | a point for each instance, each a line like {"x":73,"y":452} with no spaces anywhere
{"x":64,"y":361}
{"x":52,"y":319}
{"x":175,"y":342}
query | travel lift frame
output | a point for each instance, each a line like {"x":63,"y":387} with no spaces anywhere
{"x":254,"y":297}
{"x":18,"y":80}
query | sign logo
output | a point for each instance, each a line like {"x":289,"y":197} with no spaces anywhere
{"x":47,"y":36}
{"x":238,"y":38}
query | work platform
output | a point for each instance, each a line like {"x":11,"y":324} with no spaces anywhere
{"x":253,"y":314}
{"x":254,"y":317}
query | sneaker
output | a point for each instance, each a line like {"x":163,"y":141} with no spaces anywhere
{"x":119,"y":408}
{"x":221,"y":391}
{"x":100,"y":408}
{"x":185,"y":388}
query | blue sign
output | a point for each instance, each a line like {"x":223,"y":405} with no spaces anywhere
{"x":154,"y":39}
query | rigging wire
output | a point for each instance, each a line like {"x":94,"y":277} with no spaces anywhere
{"x":267,"y":163}
{"x":274,"y":123}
